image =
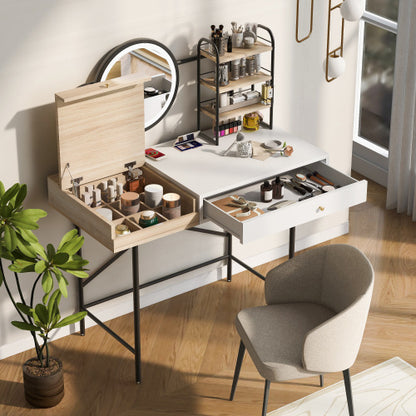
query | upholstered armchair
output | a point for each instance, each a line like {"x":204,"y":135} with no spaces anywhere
{"x":314,"y":318}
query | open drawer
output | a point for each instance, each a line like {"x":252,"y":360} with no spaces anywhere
{"x":348,"y":192}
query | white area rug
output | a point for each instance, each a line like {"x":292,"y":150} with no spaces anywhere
{"x":388,"y":389}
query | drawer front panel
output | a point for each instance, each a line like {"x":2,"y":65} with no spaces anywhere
{"x":350,"y":193}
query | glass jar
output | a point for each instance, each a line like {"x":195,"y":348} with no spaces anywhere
{"x":235,"y":70}
{"x":242,"y":67}
{"x":244,"y":149}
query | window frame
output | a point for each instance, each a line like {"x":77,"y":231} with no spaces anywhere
{"x":368,"y":158}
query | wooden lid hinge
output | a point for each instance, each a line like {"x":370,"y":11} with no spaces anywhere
{"x":129,"y":165}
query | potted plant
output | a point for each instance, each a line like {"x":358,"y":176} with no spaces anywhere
{"x":42,"y":375}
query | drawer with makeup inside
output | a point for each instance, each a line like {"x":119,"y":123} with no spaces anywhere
{"x":254,"y":220}
{"x":100,"y":136}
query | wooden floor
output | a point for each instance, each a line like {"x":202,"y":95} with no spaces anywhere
{"x":190,"y":345}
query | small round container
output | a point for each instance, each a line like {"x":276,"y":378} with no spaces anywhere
{"x":122,"y":229}
{"x":171,"y":206}
{"x":130,"y":203}
{"x":243,"y":67}
{"x":148,"y":218}
{"x":235,"y":70}
{"x":150,"y":91}
{"x":244,"y":149}
{"x":153,"y":195}
{"x":251,"y":65}
{"x":106,"y":213}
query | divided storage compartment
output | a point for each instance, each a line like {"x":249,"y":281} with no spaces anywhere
{"x":348,"y":192}
{"x":100,"y":131}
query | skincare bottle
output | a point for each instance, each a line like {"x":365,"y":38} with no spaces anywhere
{"x":278,"y":188}
{"x":96,"y":197}
{"x":266,"y":192}
{"x":135,"y":180}
{"x":229,"y":44}
{"x":111,"y":193}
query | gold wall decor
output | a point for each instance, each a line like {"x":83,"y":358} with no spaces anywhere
{"x":337,"y":52}
{"x":298,"y":39}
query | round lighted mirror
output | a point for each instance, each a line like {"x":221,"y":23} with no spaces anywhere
{"x":151,"y":59}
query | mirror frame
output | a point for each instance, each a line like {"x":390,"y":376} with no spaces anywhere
{"x":113,"y":55}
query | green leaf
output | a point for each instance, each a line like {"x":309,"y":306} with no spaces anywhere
{"x":50,"y":250}
{"x":60,"y":258}
{"x":53,"y":306}
{"x":21,"y":195}
{"x":9,"y":194}
{"x":40,"y":250}
{"x":72,"y":246}
{"x":24,"y":308}
{"x":10,"y":239}
{"x":1,"y":189}
{"x":22,"y":222}
{"x":47,"y":282}
{"x":41,"y":266}
{"x":35,"y":214}
{"x":5,"y":254}
{"x":78,"y":273}
{"x":25,"y":326}
{"x":42,"y":313}
{"x":45,"y":298}
{"x":6,"y":211}
{"x":67,"y":237}
{"x":27,"y":235}
{"x":25,"y":248}
{"x":72,"y":319}
{"x":63,"y":286}
{"x":22,"y":266}
{"x":74,"y":264}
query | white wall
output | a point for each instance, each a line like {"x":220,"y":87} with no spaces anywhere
{"x":50,"y":46}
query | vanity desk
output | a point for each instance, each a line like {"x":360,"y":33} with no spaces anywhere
{"x":101,"y":134}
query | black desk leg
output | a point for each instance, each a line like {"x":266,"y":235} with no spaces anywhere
{"x":229,"y":260}
{"x":80,"y":294}
{"x":292,"y":239}
{"x":136,"y":306}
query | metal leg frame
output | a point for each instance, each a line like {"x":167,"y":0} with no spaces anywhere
{"x":266,"y":397}
{"x":137,"y":286}
{"x":347,"y":383}
{"x":240,"y":357}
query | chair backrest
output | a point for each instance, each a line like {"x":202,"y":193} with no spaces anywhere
{"x":346,"y":288}
{"x":339,"y":277}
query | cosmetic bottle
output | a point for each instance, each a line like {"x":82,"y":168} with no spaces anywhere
{"x":135,"y":180}
{"x":96,"y":198}
{"x":278,"y":188}
{"x":229,"y":44}
{"x":266,"y":192}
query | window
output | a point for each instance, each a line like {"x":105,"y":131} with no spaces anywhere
{"x":378,"y":35}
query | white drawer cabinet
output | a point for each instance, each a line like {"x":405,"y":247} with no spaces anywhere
{"x":349,"y":192}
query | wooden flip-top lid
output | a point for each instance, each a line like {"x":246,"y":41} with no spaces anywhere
{"x":100,"y":129}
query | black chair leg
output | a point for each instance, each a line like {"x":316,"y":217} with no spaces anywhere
{"x":347,"y":383}
{"x":240,"y":357}
{"x":266,"y":396}
{"x":321,"y":380}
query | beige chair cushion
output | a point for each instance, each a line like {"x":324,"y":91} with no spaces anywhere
{"x":274,"y":336}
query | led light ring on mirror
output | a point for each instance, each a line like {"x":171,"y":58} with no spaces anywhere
{"x":115,"y":54}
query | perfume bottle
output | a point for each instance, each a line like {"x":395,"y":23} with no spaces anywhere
{"x":266,"y":192}
{"x":278,"y":188}
{"x":135,"y":180}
